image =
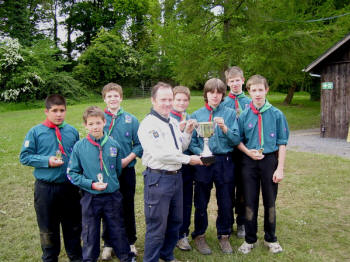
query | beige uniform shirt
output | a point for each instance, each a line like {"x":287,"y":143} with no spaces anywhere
{"x":159,"y":148}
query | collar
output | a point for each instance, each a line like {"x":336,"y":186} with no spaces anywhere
{"x":157,"y":115}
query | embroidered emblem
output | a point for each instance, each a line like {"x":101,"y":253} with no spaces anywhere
{"x":26,"y":143}
{"x":250,"y":125}
{"x":127,"y":133}
{"x":112,"y":166}
{"x":272,"y":134}
{"x":113,"y":151}
{"x":128,"y":119}
{"x":155,"y":134}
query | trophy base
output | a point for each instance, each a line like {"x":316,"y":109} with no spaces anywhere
{"x":208,"y":160}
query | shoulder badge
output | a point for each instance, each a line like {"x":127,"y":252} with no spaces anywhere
{"x":155,"y":134}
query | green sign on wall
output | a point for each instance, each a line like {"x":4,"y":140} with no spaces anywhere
{"x":327,"y":85}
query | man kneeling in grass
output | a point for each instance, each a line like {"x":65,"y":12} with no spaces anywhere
{"x":264,"y":135}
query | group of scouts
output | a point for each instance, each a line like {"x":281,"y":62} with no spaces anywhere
{"x":81,"y":183}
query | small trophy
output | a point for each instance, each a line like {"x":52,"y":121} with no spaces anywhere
{"x":59,"y":155}
{"x":100,"y":178}
{"x":261,"y":150}
{"x":206,"y":130}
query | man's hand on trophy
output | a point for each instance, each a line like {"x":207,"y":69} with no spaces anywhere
{"x":190,"y":125}
{"x":221,"y":123}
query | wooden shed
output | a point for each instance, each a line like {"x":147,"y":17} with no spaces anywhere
{"x":334,"y":68}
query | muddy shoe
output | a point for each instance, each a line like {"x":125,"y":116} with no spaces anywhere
{"x":201,"y":245}
{"x":274,"y":247}
{"x":225,"y":244}
{"x":183,"y":244}
{"x":245,"y":248}
{"x":240,"y":231}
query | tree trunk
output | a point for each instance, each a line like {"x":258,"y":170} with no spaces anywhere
{"x":290,"y":94}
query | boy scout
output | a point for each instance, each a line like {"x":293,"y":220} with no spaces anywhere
{"x":181,"y":101}
{"x":163,"y":144}
{"x":94,"y":166}
{"x":238,"y":101}
{"x":123,"y":126}
{"x":221,"y":172}
{"x":47,"y":148}
{"x":264,"y":135}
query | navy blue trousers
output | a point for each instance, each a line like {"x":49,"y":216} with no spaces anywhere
{"x":221,"y":173}
{"x":187,"y":180}
{"x":127,"y":182}
{"x":109,"y":208}
{"x":163,"y":214}
{"x":58,"y":204}
{"x":258,"y":173}
{"x":238,"y":193}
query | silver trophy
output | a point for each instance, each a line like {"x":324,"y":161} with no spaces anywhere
{"x":206,"y":130}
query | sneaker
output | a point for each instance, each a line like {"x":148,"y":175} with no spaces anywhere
{"x":245,"y":248}
{"x":225,"y":244}
{"x":107,"y":253}
{"x":240,"y":231}
{"x":183,"y":244}
{"x":201,"y":245}
{"x":133,"y":249}
{"x":274,"y":247}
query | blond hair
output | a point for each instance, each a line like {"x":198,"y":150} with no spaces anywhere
{"x":112,"y":87}
{"x":234,"y":71}
{"x":182,"y":90}
{"x":255,"y":80}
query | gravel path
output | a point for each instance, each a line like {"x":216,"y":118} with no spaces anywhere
{"x":310,"y":141}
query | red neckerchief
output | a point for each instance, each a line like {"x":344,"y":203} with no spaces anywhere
{"x":99,"y":148}
{"x":234,"y":98}
{"x":49,"y":124}
{"x":210,"y":110}
{"x":257,"y":112}
{"x":113,"y":119}
{"x":177,"y":114}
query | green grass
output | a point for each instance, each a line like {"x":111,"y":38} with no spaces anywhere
{"x":313,"y":216}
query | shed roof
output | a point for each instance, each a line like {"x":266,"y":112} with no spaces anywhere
{"x":326,"y":54}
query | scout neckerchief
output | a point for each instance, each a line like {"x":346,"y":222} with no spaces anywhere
{"x":157,"y":115}
{"x":104,"y":140}
{"x":236,"y":98}
{"x":211,"y":110}
{"x":49,"y":124}
{"x":266,"y":106}
{"x":176,"y":113}
{"x":114,"y":117}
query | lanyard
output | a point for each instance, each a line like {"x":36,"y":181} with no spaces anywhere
{"x":49,"y":124}
{"x":102,"y":164}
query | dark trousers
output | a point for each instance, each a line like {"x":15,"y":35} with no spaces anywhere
{"x":238,"y":193}
{"x":187,"y":179}
{"x":127,"y":181}
{"x":58,"y":204}
{"x":109,"y":208}
{"x":221,"y":173}
{"x":258,"y":173}
{"x":163,"y":214}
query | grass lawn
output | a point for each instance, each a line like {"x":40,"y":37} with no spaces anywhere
{"x":313,"y":216}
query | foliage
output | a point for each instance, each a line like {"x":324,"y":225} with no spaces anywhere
{"x":108,"y":59}
{"x":33,"y":72}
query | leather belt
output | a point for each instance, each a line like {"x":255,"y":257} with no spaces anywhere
{"x":162,"y":171}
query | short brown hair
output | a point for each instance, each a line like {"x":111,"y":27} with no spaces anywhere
{"x":94,"y":111}
{"x":112,"y":87}
{"x":157,"y":86}
{"x":214,"y":84}
{"x":234,"y":71}
{"x":54,"y":100}
{"x":257,"y":79}
{"x":182,"y":89}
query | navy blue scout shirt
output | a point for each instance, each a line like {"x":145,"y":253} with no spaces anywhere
{"x":275,"y":129}
{"x":84,"y":164}
{"x":243,"y":101}
{"x":219,"y":143}
{"x":125,"y":132}
{"x":40,"y":144}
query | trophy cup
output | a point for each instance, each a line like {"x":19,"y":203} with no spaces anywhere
{"x":100,"y":179}
{"x":206,"y":130}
